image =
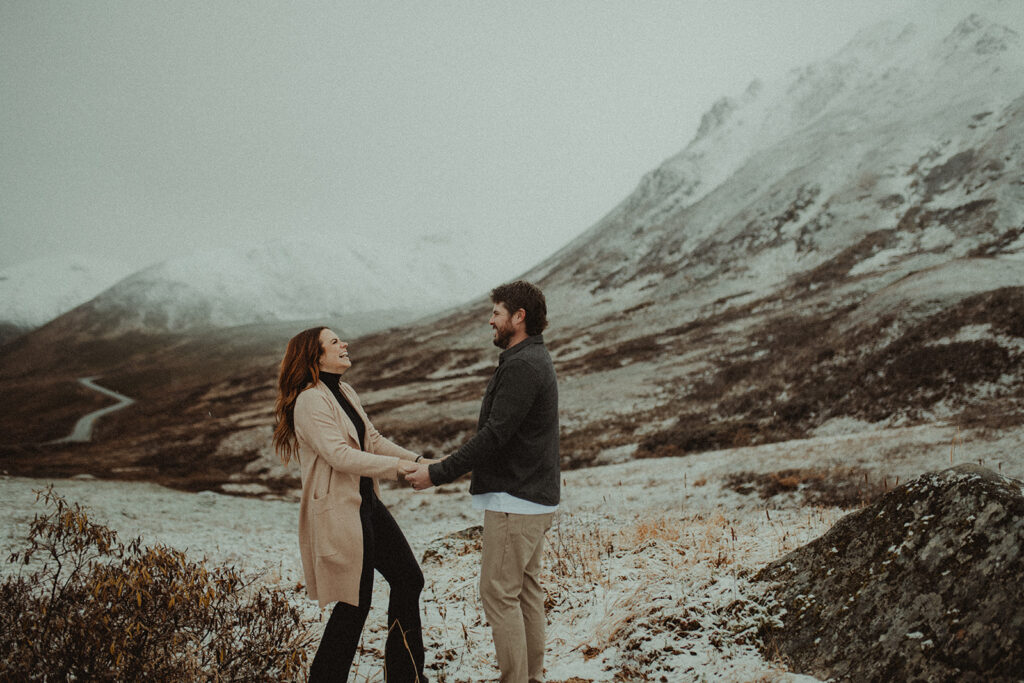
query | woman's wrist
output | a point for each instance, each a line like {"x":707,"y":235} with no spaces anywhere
{"x":418,"y":458}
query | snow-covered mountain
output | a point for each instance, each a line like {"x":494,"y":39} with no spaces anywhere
{"x":35,"y":292}
{"x":339,"y":277}
{"x":912,"y":138}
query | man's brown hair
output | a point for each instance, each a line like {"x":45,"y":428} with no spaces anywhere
{"x":522,"y":294}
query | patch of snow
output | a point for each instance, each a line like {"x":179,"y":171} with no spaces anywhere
{"x":841,"y":425}
{"x":936,"y":237}
{"x":449,"y":371}
{"x":611,"y":456}
{"x":880,"y":260}
{"x":952,"y":280}
{"x":252,"y":489}
{"x":972,"y":333}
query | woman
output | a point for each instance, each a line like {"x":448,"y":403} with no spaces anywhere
{"x":345,"y":532}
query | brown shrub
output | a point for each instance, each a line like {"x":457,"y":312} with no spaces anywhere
{"x":580,"y":447}
{"x":694,"y":434}
{"x":431,"y":438}
{"x":842,"y":487}
{"x":95,"y":609}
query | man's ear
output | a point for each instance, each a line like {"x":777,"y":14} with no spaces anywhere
{"x":519,"y":316}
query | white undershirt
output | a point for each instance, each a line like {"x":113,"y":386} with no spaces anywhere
{"x":499,"y":501}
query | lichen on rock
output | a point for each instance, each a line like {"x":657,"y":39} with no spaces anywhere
{"x":926,"y":584}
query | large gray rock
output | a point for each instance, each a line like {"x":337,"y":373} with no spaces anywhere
{"x":927,"y":584}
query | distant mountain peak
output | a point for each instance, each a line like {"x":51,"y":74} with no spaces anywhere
{"x":978,"y":35}
{"x":35,"y":292}
{"x":326,"y":277}
{"x":716,"y":116}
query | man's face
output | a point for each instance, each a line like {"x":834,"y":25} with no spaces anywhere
{"x":501,"y":322}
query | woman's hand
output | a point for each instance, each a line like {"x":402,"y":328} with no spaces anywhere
{"x":417,"y":474}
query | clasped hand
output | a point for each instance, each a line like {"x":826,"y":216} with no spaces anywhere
{"x":416,"y":473}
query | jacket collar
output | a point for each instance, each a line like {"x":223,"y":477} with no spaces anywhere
{"x":529,"y":341}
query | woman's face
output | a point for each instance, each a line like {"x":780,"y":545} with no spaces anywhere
{"x":333,"y":353}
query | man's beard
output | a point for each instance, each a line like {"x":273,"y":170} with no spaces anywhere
{"x":502,"y":336}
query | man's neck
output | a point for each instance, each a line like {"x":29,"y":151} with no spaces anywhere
{"x":516,"y":340}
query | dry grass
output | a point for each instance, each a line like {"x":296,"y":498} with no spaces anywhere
{"x":654,"y":589}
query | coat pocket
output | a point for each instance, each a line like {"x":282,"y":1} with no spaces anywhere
{"x":331,"y":532}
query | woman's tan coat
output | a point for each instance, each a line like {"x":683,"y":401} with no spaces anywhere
{"x":330,"y":533}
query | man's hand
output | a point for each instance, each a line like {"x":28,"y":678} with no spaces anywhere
{"x":417,"y":474}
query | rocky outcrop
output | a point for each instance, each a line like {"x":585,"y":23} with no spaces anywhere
{"x":925,"y":585}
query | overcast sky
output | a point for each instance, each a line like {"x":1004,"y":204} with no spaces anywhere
{"x":143,"y":130}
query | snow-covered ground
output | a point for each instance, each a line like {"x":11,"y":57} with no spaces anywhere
{"x":649,"y":565}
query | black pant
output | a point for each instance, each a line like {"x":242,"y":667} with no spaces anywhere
{"x":386,"y":550}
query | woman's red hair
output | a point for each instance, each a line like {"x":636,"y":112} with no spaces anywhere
{"x":299,"y":369}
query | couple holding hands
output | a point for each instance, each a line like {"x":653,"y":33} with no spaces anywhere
{"x":345,"y":532}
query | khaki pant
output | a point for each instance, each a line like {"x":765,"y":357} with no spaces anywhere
{"x":511,"y":592}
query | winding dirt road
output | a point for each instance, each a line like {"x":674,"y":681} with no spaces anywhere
{"x":83,"y":428}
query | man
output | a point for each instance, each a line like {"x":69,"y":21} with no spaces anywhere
{"x":515,"y":466}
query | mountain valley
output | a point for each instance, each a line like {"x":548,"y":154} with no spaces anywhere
{"x":838,"y":251}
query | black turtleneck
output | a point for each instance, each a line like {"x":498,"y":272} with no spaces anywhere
{"x":333,"y":382}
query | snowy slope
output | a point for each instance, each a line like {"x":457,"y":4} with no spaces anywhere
{"x":906,"y":120}
{"x":35,"y":292}
{"x":317,"y":277}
